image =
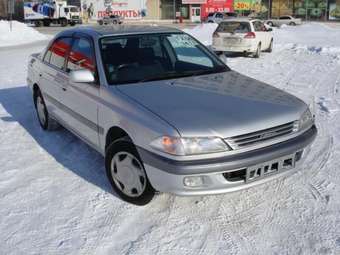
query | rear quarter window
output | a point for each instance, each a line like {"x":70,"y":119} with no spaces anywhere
{"x":58,"y":51}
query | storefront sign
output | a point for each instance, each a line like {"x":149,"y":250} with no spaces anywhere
{"x":241,"y":5}
{"x":96,"y":9}
{"x":194,"y":1}
{"x":216,"y":6}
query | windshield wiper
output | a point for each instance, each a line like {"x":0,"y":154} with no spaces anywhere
{"x":183,"y":74}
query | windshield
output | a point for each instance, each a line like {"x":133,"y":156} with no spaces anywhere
{"x":141,"y":58}
{"x":233,"y":27}
{"x":74,"y":9}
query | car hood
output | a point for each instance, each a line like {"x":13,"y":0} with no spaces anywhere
{"x":223,"y":104}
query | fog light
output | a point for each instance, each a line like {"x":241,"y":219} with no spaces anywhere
{"x":193,"y":181}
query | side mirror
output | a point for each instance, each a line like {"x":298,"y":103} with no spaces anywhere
{"x":82,"y":76}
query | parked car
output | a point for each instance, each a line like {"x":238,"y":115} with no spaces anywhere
{"x":217,"y":17}
{"x":242,"y":36}
{"x":111,"y":19}
{"x":284,"y":20}
{"x":166,"y":113}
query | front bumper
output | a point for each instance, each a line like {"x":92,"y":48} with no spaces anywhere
{"x":230,"y":173}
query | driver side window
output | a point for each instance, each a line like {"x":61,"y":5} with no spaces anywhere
{"x":82,"y":56}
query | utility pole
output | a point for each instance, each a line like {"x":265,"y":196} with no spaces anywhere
{"x":10,"y":11}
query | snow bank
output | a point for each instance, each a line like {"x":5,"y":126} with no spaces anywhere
{"x":308,"y":38}
{"x":20,"y":34}
{"x":202,"y":32}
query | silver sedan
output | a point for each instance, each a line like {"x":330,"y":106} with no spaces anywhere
{"x":166,"y":113}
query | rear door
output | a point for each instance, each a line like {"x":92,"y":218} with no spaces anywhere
{"x":81,"y":99}
{"x":53,"y":77}
{"x":261,"y":34}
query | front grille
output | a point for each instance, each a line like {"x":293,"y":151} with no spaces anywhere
{"x":241,"y":141}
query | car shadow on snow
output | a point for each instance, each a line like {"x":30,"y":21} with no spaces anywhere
{"x":63,"y":146}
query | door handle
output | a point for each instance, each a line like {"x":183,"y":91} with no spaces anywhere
{"x":40,"y":74}
{"x":64,"y":89}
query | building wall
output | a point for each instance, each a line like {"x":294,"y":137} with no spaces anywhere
{"x":3,"y":8}
{"x":152,"y":9}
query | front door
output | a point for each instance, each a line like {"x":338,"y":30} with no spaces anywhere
{"x":81,"y":99}
{"x":196,"y":14}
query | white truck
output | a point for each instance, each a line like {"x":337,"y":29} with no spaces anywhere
{"x":284,"y":20}
{"x":44,"y":13}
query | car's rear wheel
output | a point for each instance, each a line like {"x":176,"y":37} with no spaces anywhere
{"x":126,"y":173}
{"x":258,"y":51}
{"x":292,"y":23}
{"x":45,"y":121}
{"x":100,"y":22}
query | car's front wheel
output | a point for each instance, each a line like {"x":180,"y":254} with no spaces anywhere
{"x":258,"y":51}
{"x":270,"y":48}
{"x":126,"y":173}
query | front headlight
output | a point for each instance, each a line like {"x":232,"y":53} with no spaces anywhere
{"x":189,"y":145}
{"x":305,"y":120}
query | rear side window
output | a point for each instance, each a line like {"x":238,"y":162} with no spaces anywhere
{"x":81,"y":56}
{"x":285,"y":17}
{"x":233,"y":27}
{"x":259,"y":26}
{"x":57,"y":53}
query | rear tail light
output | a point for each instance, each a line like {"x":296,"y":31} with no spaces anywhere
{"x":250,"y":35}
{"x":216,"y":35}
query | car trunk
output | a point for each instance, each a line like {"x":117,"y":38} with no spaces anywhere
{"x":231,"y":33}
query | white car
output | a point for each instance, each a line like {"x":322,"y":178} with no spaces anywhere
{"x":284,"y":20}
{"x":217,"y":17}
{"x":243,"y":36}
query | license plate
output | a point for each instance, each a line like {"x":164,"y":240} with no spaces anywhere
{"x":258,"y":172}
{"x":231,"y":40}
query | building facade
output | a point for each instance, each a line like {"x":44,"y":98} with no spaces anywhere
{"x":197,"y":10}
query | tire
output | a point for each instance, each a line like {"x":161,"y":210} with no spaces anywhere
{"x":45,"y":121}
{"x":100,"y":22}
{"x":63,"y":22}
{"x":38,"y":23}
{"x":258,"y":51}
{"x":292,"y":24}
{"x":270,"y":48}
{"x":123,"y":152}
{"x":114,"y":22}
{"x":72,"y":24}
{"x":46,"y":23}
{"x":270,"y":23}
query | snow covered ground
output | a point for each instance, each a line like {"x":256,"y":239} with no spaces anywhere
{"x":55,"y":198}
{"x":20,"y":34}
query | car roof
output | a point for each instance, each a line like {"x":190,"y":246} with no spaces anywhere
{"x":97,"y":31}
{"x":238,"y":20}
